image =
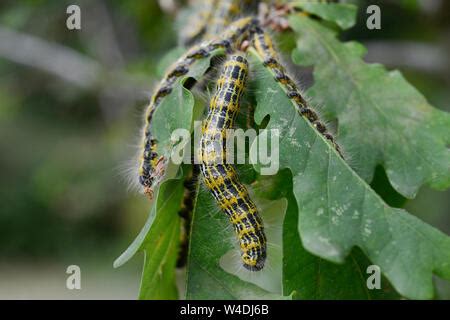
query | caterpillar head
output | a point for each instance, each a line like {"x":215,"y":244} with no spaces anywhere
{"x":253,"y":261}
{"x":157,"y":175}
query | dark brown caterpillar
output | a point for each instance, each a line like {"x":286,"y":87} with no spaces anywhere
{"x":185,"y":214}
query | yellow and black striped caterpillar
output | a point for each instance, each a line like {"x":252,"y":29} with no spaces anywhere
{"x":264,"y":47}
{"x":213,"y":17}
{"x":225,"y":11}
{"x":198,"y":22}
{"x":221,"y":178}
{"x":152,"y":166}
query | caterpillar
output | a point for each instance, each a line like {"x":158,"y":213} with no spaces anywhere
{"x":221,"y":178}
{"x":226,"y":10}
{"x":185,"y":213}
{"x":264,"y":47}
{"x":152,"y":166}
{"x":198,"y":23}
{"x":206,"y":25}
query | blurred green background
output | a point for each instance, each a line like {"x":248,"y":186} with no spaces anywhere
{"x":70,"y":117}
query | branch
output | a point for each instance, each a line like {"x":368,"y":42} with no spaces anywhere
{"x":100,"y":37}
{"x":421,"y":56}
{"x":116,"y":88}
{"x":53,"y":58}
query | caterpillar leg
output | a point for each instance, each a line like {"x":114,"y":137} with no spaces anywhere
{"x":222,"y":179}
{"x":264,"y":47}
{"x":151,"y":167}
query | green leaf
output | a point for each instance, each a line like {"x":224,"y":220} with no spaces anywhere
{"x":343,"y":14}
{"x":159,"y":240}
{"x":314,"y":278}
{"x":159,"y":237}
{"x":161,"y":245}
{"x":270,"y":278}
{"x":213,"y":249}
{"x":176,"y":110}
{"x":309,"y":276}
{"x":382,"y":118}
{"x":338,"y":210}
{"x":168,"y":59}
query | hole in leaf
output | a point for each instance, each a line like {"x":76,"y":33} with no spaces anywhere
{"x":382,"y":186}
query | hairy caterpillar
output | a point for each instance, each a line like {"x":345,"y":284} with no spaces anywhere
{"x":221,"y":178}
{"x":185,"y":214}
{"x":264,"y":47}
{"x":225,"y":11}
{"x":152,"y":166}
{"x":213,"y":17}
{"x":198,"y":23}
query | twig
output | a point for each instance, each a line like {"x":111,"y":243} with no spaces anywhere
{"x":53,"y":58}
{"x":421,"y":56}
